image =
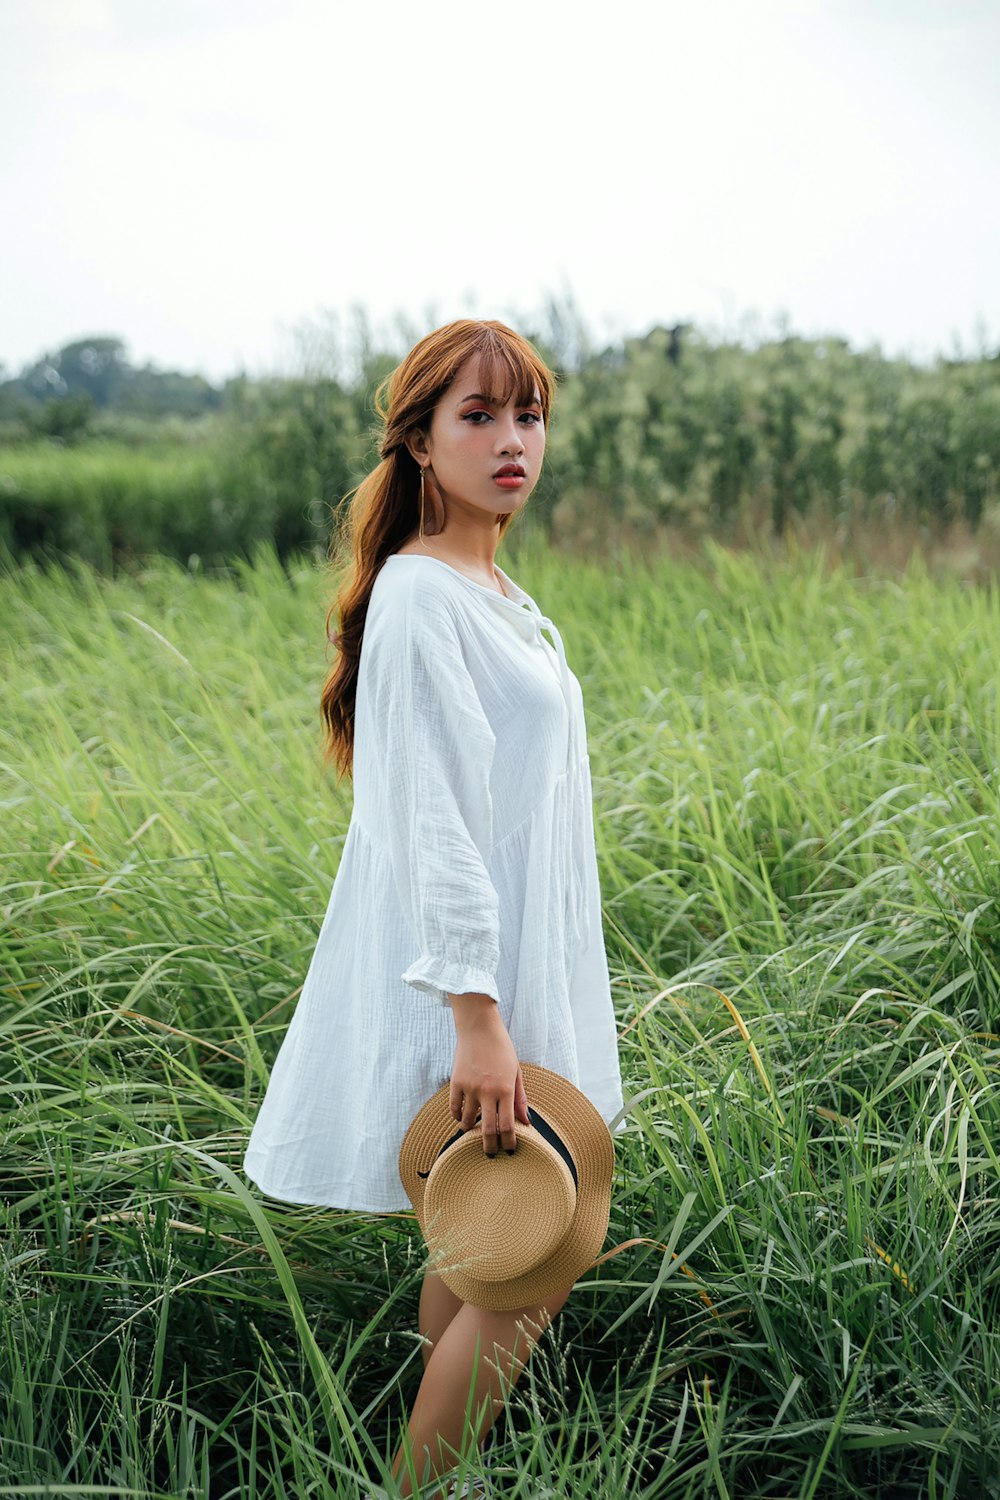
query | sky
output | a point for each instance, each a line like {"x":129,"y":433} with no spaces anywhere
{"x":212,"y":179}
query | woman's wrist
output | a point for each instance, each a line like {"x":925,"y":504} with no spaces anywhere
{"x":473,"y":1010}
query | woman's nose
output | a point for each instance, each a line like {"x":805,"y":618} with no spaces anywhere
{"x":510,"y":438}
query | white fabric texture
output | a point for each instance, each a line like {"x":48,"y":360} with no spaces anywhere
{"x":468,"y":866}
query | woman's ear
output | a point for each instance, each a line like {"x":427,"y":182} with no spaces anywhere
{"x":416,"y":443}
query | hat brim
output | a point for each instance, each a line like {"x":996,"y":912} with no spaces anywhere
{"x":589,"y":1141}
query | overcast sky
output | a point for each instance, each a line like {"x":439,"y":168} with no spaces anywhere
{"x":200,"y":176}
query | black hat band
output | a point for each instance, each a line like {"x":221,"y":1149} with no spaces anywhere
{"x":545,"y":1130}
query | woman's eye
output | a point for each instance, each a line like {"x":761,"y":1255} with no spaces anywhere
{"x":533,"y":417}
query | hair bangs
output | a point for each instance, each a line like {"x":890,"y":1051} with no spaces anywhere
{"x":506,"y":371}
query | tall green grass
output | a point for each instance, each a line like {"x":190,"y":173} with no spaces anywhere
{"x":797,"y":823}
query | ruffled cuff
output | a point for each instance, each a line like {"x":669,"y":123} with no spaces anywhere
{"x":440,"y":977}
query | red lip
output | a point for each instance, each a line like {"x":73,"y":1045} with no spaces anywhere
{"x":509,"y":469}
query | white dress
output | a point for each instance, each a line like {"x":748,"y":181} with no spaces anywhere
{"x":468,"y":865}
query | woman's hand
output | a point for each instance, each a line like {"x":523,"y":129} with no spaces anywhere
{"x":486,"y":1076}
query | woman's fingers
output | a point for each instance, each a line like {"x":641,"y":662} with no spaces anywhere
{"x":508,"y":1136}
{"x":520,"y":1099}
{"x":470,"y":1108}
{"x":486,"y":1108}
{"x":489,"y":1109}
{"x":495,"y":1114}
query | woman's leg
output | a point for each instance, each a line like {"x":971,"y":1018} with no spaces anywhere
{"x":438,"y":1306}
{"x":481,"y":1351}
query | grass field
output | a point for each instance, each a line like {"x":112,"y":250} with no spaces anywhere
{"x":796,"y":782}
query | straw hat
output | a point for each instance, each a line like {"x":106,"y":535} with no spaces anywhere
{"x":507,"y":1232}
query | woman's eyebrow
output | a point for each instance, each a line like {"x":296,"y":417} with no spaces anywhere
{"x":489,"y":400}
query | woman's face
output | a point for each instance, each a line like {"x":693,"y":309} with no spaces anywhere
{"x":471,"y":439}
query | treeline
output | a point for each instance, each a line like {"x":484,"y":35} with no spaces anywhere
{"x":60,"y":394}
{"x":672,"y":429}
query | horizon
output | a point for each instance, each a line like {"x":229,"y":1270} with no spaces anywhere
{"x":349,"y":357}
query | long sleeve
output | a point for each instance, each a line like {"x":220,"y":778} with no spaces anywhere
{"x":438,"y":748}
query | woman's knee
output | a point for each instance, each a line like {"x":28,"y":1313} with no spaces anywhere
{"x":555,"y":1303}
{"x":531,"y":1322}
{"x":544,"y":1312}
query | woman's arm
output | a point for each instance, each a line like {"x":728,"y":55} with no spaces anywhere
{"x":433,"y":745}
{"x":486,"y":1075}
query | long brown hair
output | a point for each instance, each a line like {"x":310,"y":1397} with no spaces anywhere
{"x":384,"y":510}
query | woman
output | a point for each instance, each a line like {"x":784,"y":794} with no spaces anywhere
{"x":463,"y":932}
